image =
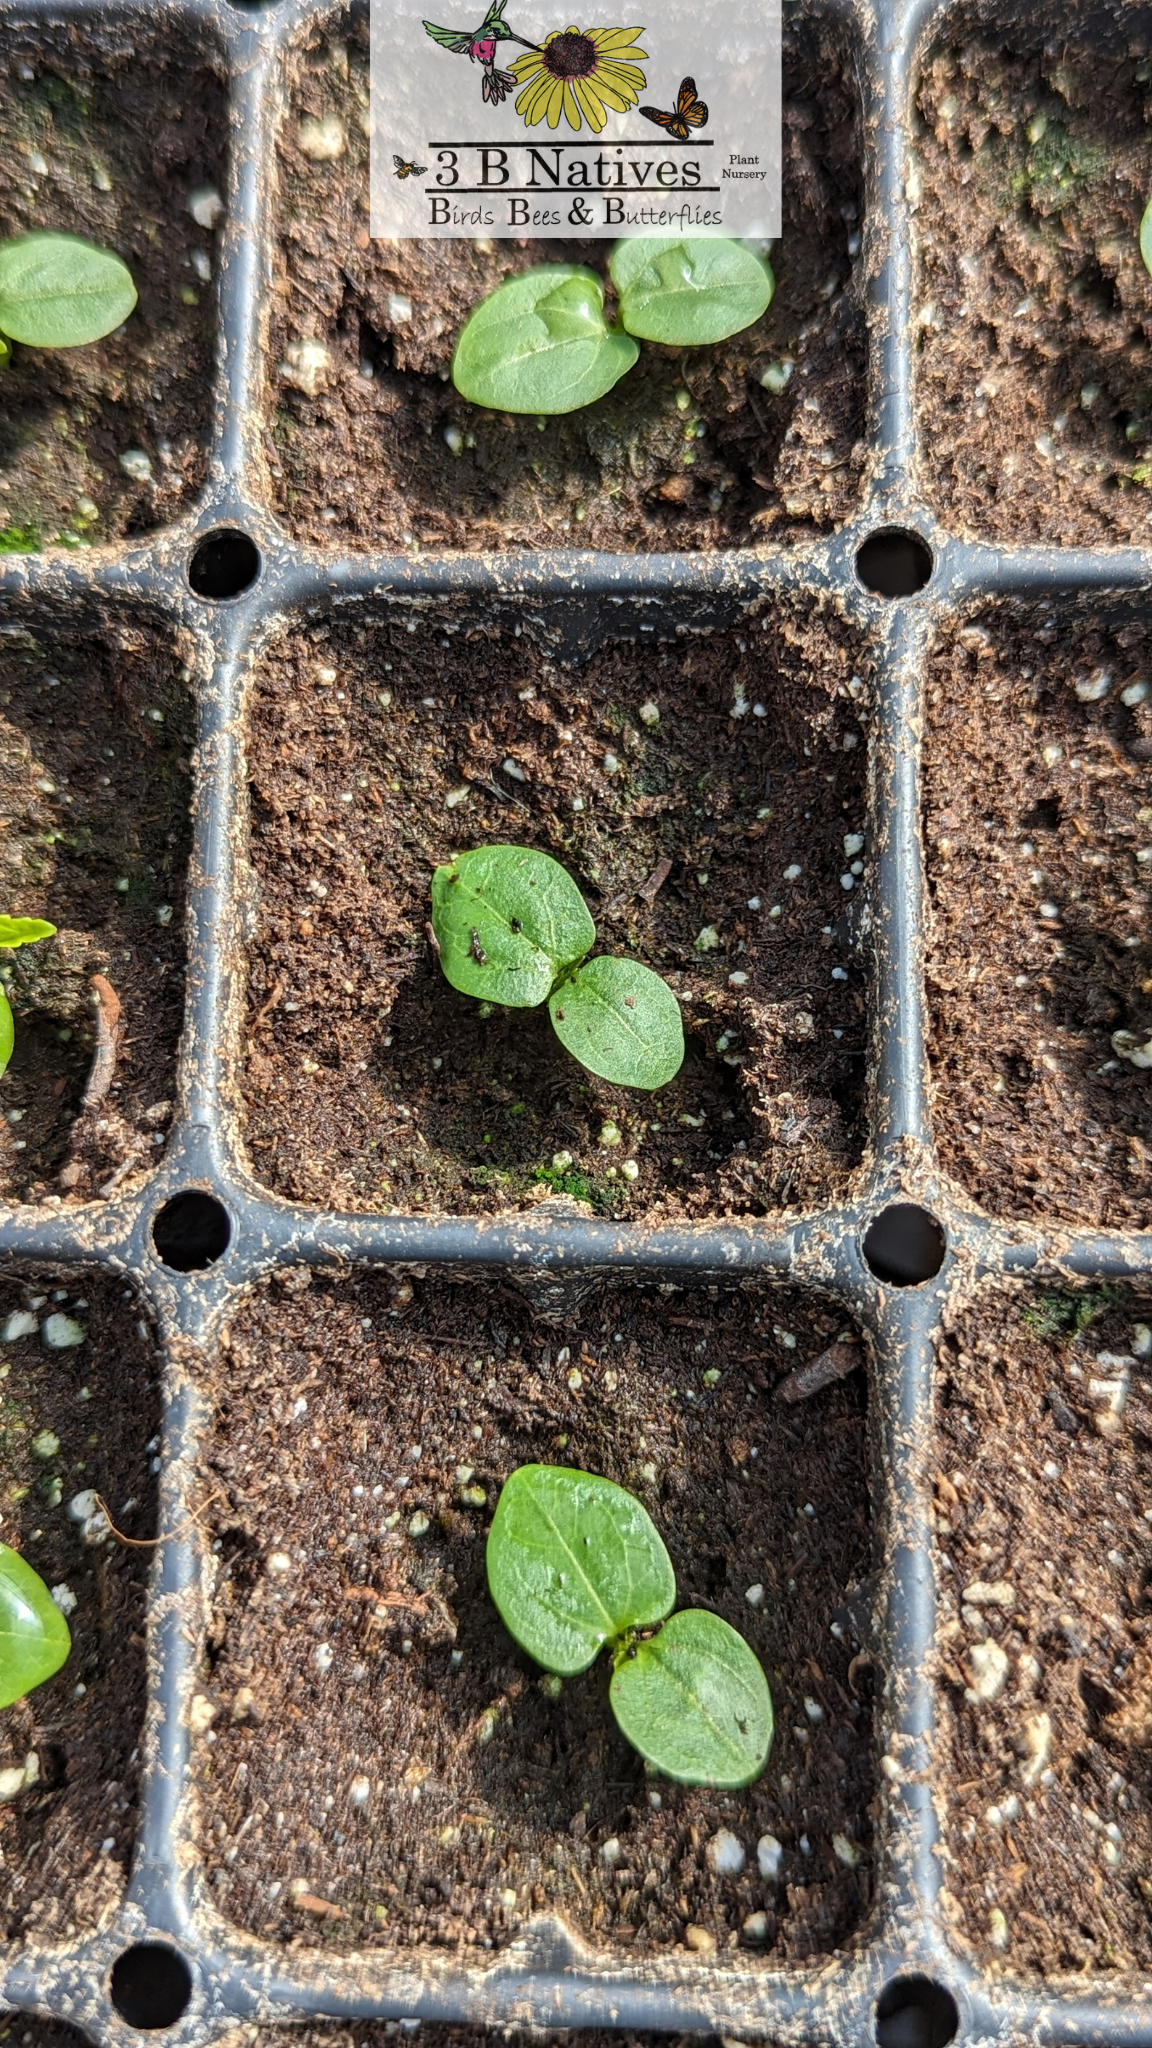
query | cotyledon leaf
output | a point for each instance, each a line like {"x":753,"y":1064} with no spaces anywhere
{"x":24,"y":931}
{"x":620,"y":1021}
{"x":508,"y":919}
{"x":689,"y":290}
{"x":34,"y":1638}
{"x":695,"y":1702}
{"x":7,"y":1034}
{"x":573,"y":1562}
{"x":540,"y":344}
{"x":57,"y":291}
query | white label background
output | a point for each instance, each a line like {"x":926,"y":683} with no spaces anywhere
{"x":428,"y":109}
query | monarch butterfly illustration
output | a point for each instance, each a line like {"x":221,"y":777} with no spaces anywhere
{"x":690,"y":112}
{"x":404,"y":170}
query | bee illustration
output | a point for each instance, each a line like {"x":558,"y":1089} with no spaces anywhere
{"x":404,"y":170}
{"x":690,"y":112}
{"x":476,"y":949}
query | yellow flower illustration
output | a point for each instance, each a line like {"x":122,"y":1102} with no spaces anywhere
{"x":580,"y":73}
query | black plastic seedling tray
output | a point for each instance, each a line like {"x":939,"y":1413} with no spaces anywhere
{"x":907,"y":1242}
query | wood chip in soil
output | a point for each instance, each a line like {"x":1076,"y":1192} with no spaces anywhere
{"x":355,"y":1657}
{"x":689,"y":451}
{"x":376,"y":753}
{"x":66,"y":1842}
{"x":95,"y":731}
{"x":1045,"y":1411}
{"x":107,"y":138}
{"x":1034,"y":308}
{"x":1038,"y":826}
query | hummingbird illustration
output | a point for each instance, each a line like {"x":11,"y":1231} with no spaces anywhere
{"x":479,"y":46}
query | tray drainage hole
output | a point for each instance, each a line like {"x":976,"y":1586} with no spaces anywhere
{"x":151,"y":1986}
{"x":894,"y":563}
{"x":226,"y":562}
{"x":904,"y":1245}
{"x":191,"y":1231}
{"x":913,"y":2012}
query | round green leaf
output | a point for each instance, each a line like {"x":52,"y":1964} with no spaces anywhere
{"x":1146,"y":237}
{"x":24,"y":931}
{"x":695,"y":1702}
{"x":508,"y":919}
{"x":574,"y":1561}
{"x":620,"y":1021}
{"x":34,"y":1638}
{"x":689,"y":290}
{"x":57,"y":291}
{"x":7,"y":1032}
{"x":541,"y":344}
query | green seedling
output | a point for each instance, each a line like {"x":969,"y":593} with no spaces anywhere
{"x":34,"y":1637}
{"x":57,"y":291}
{"x":513,"y":928}
{"x":541,"y":343}
{"x":576,"y":1565}
{"x":16,"y":931}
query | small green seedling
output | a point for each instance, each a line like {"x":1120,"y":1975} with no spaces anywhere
{"x":541,"y":343}
{"x":34,"y":1637}
{"x":576,"y":1564}
{"x":513,"y":928}
{"x":16,"y":931}
{"x":57,"y":291}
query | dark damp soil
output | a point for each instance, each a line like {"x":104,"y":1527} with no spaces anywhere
{"x":690,"y":451}
{"x":1035,"y":310}
{"x":1039,"y":830}
{"x":95,"y":730}
{"x":376,"y":753}
{"x":1044,"y":1547}
{"x":350,"y":1606}
{"x":107,"y":139}
{"x":66,"y":1842}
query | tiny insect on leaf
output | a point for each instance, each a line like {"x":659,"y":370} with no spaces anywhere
{"x":620,"y":1021}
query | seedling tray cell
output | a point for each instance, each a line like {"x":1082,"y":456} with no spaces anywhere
{"x":901,"y":606}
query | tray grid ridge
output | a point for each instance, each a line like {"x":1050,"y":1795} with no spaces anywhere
{"x":549,"y":1978}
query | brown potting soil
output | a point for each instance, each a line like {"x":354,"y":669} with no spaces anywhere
{"x":688,"y":451}
{"x":1035,"y":310}
{"x":1038,"y":823}
{"x":94,"y":790}
{"x":1044,"y":1548}
{"x":376,"y":753}
{"x":442,"y":1796}
{"x":66,"y":1841}
{"x":106,"y":139}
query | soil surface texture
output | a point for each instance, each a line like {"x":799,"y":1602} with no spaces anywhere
{"x":708,"y":844}
{"x":108,"y":141}
{"x":1039,"y":825}
{"x":374,"y":2034}
{"x":74,"y":1421}
{"x":442,"y":1794}
{"x":1035,"y":310}
{"x":1045,"y":1411}
{"x":374,"y":447}
{"x":94,"y":833}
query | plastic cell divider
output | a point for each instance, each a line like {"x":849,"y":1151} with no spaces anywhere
{"x":202,"y":1230}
